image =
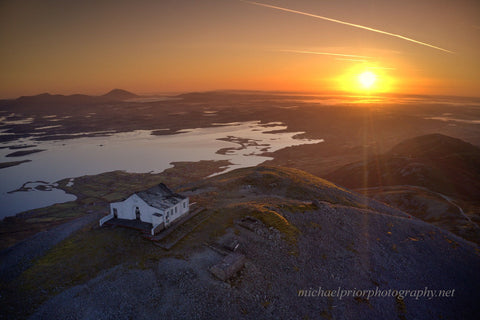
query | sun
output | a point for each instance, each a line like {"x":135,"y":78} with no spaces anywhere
{"x":367,"y":79}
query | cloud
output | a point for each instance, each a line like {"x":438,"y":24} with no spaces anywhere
{"x":342,"y":57}
{"x":348,"y":24}
{"x":326,"y":53}
{"x":355,"y":60}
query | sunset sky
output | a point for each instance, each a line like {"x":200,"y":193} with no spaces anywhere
{"x":409,"y":46}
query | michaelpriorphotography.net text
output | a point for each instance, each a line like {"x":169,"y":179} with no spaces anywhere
{"x":376,"y":292}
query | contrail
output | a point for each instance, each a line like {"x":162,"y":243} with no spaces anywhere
{"x":326,"y":53}
{"x":348,"y":24}
{"x":356,"y":60}
{"x":360,"y":60}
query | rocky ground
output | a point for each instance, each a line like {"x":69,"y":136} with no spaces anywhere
{"x":313,"y":234}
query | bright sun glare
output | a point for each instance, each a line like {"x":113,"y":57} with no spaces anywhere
{"x":367,"y":79}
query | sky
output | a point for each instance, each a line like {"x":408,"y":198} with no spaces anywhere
{"x":146,"y":46}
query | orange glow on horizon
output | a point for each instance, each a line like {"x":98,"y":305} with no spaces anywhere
{"x":366,"y":79}
{"x":67,"y":47}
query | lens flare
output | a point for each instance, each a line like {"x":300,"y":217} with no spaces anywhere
{"x":367,"y":79}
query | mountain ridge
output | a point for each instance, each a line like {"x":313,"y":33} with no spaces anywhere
{"x":120,"y":94}
{"x":435,"y":161}
{"x":47,"y":98}
{"x":308,"y":233}
{"x":433,"y":177}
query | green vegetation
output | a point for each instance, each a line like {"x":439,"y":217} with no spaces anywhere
{"x":17,"y":228}
{"x":220,"y":219}
{"x":117,"y":185}
{"x":274,"y":219}
{"x":285,"y":182}
{"x":259,"y":210}
{"x":298,"y":207}
{"x":82,"y":256}
{"x":211,"y":229}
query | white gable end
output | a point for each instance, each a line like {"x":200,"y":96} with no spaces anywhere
{"x":133,"y":208}
{"x":158,"y":206}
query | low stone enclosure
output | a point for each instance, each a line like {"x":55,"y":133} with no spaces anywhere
{"x":230,"y":265}
{"x":233,"y":261}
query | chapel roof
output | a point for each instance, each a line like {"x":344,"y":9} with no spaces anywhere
{"x":160,"y":197}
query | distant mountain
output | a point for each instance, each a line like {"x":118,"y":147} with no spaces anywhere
{"x":440,"y":163}
{"x":120,"y":94}
{"x":434,"y":145}
{"x":47,"y":99}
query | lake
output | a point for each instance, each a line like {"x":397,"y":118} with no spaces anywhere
{"x":137,"y":151}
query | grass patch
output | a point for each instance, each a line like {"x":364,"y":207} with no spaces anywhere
{"x":82,"y":256}
{"x":299,"y":208}
{"x":286,"y":182}
{"x":113,"y":197}
{"x":221,"y":219}
{"x":17,"y":228}
{"x":271,"y":218}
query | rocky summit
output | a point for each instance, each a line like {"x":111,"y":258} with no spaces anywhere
{"x":287,"y":245}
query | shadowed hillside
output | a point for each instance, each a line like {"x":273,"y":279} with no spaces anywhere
{"x":434,"y":177}
{"x":437,"y":162}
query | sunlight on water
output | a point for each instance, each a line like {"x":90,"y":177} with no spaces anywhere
{"x":136,"y":151}
{"x":447,"y":119}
